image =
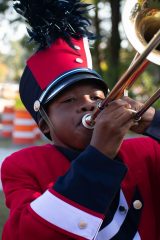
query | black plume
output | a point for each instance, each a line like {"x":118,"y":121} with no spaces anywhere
{"x":53,"y":19}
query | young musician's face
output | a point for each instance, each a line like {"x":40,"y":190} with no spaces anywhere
{"x":66,"y":113}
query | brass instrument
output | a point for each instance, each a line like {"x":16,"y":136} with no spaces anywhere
{"x":141,"y":21}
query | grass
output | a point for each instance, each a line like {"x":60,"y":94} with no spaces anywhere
{"x":5,"y":143}
{"x":3,"y":212}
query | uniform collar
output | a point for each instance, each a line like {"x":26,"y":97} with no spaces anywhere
{"x":68,"y":153}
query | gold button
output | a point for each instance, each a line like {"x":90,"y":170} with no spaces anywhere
{"x":36,"y":106}
{"x":137,"y":204}
{"x":82,"y":225}
{"x":79,"y":60}
{"x":77,"y":47}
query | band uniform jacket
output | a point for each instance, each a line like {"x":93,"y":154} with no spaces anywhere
{"x":51,"y":198}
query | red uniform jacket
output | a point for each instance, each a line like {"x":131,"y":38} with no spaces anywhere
{"x":43,"y":212}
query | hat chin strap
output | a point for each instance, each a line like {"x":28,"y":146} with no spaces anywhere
{"x":46,"y":118}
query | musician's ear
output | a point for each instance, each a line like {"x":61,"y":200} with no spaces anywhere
{"x":43,"y":126}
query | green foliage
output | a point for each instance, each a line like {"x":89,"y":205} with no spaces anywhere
{"x":18,"y":104}
{"x":4,"y":6}
{"x":14,"y":62}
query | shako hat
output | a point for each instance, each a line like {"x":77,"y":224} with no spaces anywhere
{"x":63,"y":56}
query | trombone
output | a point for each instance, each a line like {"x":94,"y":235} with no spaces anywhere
{"x":141,"y":21}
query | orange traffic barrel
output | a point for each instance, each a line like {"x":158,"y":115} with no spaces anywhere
{"x":7,"y":121}
{"x":23,"y":128}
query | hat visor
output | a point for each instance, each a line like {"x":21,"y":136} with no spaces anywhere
{"x":64,"y":83}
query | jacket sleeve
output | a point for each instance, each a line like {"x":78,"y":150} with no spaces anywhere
{"x":153,"y":130}
{"x":155,"y":181}
{"x":74,"y":208}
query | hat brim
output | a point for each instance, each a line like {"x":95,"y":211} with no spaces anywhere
{"x":68,"y":81}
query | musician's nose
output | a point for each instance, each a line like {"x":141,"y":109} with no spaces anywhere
{"x":87,"y":104}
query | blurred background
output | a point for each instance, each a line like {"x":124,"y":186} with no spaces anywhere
{"x":112,"y":54}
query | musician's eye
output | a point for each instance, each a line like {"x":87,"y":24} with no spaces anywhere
{"x":69,"y":100}
{"x":95,"y":98}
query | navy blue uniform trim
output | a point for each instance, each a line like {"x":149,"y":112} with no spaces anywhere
{"x":69,"y":154}
{"x":154,"y":129}
{"x":28,"y":97}
{"x":130,"y":225}
{"x":92,"y":180}
{"x":111,"y":211}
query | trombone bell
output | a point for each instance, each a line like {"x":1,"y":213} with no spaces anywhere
{"x":141,"y":21}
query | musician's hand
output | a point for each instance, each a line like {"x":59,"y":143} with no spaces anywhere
{"x":146,"y":119}
{"x":111,"y":126}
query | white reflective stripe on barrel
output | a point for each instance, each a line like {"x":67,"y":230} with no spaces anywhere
{"x":7,"y":128}
{"x":24,"y":122}
{"x":24,"y":134}
{"x":7,"y":117}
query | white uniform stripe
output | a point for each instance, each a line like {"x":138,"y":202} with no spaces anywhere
{"x":137,"y":237}
{"x":113,"y":227}
{"x":88,"y":53}
{"x":66,"y":216}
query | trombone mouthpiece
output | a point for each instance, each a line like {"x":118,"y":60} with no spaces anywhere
{"x":87,"y":121}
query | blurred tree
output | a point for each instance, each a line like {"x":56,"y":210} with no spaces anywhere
{"x":106,"y":53}
{"x":11,"y":64}
{"x":4,"y":71}
{"x":113,"y":51}
{"x":4,"y":5}
{"x":97,"y":42}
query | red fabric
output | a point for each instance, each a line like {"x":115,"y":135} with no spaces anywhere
{"x":27,"y":173}
{"x":142,"y":156}
{"x":52,"y":62}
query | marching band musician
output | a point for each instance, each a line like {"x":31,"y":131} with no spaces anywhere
{"x":86,"y":184}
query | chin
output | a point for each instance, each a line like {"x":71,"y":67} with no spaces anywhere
{"x":80,"y":145}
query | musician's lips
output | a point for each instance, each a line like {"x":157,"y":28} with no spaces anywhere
{"x":80,"y":124}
